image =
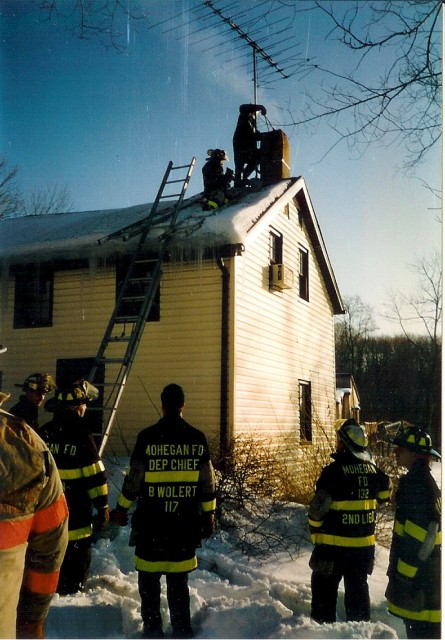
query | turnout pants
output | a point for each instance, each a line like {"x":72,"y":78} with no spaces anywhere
{"x":75,"y":567}
{"x":353,"y":566}
{"x":178,"y":598}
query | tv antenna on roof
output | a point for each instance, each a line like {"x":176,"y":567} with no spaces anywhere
{"x":257,"y":50}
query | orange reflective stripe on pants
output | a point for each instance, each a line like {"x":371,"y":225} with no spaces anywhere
{"x":36,"y":582}
{"x":51,"y":516}
{"x":15,"y":532}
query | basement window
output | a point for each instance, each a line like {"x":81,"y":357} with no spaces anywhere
{"x":33,"y":302}
{"x":305,"y":410}
{"x":303,"y":273}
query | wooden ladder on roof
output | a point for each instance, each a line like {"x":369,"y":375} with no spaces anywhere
{"x":136,"y":297}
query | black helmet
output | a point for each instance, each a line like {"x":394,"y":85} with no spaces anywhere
{"x":218,"y":154}
{"x":413,"y":438}
{"x":354,"y":437}
{"x":80,"y":392}
{"x":38,"y":382}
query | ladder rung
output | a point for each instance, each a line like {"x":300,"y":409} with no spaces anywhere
{"x":173,"y":181}
{"x":119,"y":339}
{"x":113,"y":360}
{"x":141,"y":280}
{"x":133,"y":298}
{"x":182,"y":166}
{"x":126,"y":318}
{"x":171,"y":195}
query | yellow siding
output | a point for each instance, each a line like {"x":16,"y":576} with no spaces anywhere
{"x":184,"y":347}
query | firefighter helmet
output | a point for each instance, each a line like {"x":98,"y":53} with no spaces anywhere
{"x":415,"y":439}
{"x":354,"y":437}
{"x":218,"y":154}
{"x":80,"y":392}
{"x":38,"y":382}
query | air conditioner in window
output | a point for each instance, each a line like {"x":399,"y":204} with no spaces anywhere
{"x":281,"y":277}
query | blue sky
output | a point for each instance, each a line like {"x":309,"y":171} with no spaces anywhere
{"x":105,"y":124}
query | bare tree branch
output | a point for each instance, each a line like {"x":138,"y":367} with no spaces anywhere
{"x":10,"y":199}
{"x":399,"y":42}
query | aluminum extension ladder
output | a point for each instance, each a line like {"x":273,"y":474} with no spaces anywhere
{"x":136,"y":296}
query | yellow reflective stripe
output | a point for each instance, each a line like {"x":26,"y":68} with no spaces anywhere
{"x":210,"y":505}
{"x":419,"y":533}
{"x":70,"y":474}
{"x":426,"y":615}
{"x":123,"y":502}
{"x":383,"y":495}
{"x":92,"y":469}
{"x":406,"y":569}
{"x":165,"y":566}
{"x":78,"y":534}
{"x":171,"y":476}
{"x":412,"y":529}
{"x":353,"y":505}
{"x":315,"y":523}
{"x":342,"y":541}
{"x":398,"y":528}
{"x":98,"y":491}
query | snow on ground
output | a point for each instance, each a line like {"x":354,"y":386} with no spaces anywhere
{"x":231,"y":596}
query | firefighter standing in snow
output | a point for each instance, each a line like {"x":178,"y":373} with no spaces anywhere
{"x":83,"y":477}
{"x":35,"y":388}
{"x":342,"y":526}
{"x":413,"y":591}
{"x":172,"y":478}
{"x":33,"y":528}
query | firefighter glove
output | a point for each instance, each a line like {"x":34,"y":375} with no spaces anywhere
{"x":119,"y":516}
{"x":207,"y":524}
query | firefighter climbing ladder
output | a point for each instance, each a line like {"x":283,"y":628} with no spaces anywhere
{"x":136,"y":296}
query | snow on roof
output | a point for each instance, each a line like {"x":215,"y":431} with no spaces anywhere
{"x":77,"y":234}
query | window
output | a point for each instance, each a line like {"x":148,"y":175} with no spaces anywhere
{"x":33,"y":303}
{"x":142,"y":271}
{"x":305,"y":410}
{"x":303,"y":273}
{"x":275,"y":247}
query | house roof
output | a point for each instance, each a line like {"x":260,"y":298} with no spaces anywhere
{"x":91,"y":234}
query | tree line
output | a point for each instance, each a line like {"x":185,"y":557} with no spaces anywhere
{"x":398,"y":377}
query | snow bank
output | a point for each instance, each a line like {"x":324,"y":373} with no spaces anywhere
{"x":231,"y":596}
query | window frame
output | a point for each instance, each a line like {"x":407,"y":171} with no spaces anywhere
{"x":276,"y":242}
{"x":305,"y":410}
{"x":33,"y":296}
{"x":303,"y":273}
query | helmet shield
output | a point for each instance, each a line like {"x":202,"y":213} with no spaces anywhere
{"x":80,"y":392}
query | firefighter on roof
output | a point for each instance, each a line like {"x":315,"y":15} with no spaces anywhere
{"x":33,"y":528}
{"x":35,"y":388}
{"x":342,"y":526}
{"x":216,"y":181}
{"x":246,"y":154}
{"x":413,"y":591}
{"x":172,"y":479}
{"x":83,"y":477}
